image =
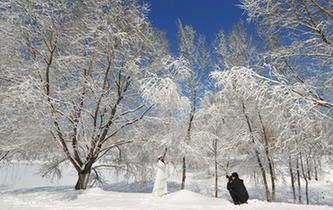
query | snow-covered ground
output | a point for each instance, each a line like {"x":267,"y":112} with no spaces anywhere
{"x":21,"y":188}
{"x":47,"y":198}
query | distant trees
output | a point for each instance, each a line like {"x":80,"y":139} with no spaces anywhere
{"x":299,"y":54}
{"x":298,"y":76}
{"x":270,"y":111}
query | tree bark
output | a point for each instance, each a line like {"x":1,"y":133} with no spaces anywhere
{"x":216,"y":169}
{"x":261,"y":166}
{"x":315,"y":169}
{"x":305,"y":179}
{"x":269,"y":159}
{"x":3,"y":155}
{"x":263,"y":174}
{"x":84,"y":175}
{"x":308,"y":168}
{"x":273,"y":178}
{"x":292,"y":179}
{"x":189,"y":129}
{"x":183,"y":174}
{"x":298,"y":182}
{"x":83,"y":180}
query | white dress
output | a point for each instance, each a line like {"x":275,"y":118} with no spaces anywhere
{"x":160,"y":185}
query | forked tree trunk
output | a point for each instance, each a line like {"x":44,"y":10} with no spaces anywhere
{"x":298,"y":182}
{"x":183,"y":174}
{"x":292,"y":179}
{"x":83,"y":177}
{"x":305,"y":179}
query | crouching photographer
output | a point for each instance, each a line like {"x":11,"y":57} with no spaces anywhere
{"x":237,"y":189}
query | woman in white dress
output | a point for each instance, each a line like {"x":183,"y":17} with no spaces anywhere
{"x":160,"y":185}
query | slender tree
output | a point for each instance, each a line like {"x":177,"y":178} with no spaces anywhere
{"x":192,"y":50}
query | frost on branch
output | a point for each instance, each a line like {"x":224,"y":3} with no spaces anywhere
{"x":250,"y":84}
{"x":163,"y":92}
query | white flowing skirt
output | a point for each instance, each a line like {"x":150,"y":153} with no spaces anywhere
{"x":160,"y":185}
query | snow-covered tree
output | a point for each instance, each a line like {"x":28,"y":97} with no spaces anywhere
{"x":18,"y":100}
{"x":210,"y":137}
{"x":300,"y":40}
{"x":196,"y":57}
{"x":98,"y":67}
{"x":236,"y":48}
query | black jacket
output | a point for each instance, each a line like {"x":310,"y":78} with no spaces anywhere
{"x":237,"y":187}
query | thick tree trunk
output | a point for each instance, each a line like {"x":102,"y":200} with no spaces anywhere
{"x":83,"y":176}
{"x":83,"y":179}
{"x":183,"y":174}
{"x":298,"y":182}
{"x":305,"y":179}
{"x":292,"y":179}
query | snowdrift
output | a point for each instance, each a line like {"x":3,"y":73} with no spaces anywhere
{"x":22,"y":189}
{"x":52,"y":198}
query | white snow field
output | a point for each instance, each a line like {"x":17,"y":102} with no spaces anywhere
{"x":97,"y":199}
{"x":21,"y":188}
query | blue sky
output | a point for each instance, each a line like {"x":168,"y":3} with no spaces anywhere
{"x":206,"y":16}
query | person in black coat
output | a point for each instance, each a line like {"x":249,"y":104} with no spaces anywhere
{"x":237,"y":189}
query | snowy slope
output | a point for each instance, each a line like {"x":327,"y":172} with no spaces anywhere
{"x":51,"y":198}
{"x":22,"y":188}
